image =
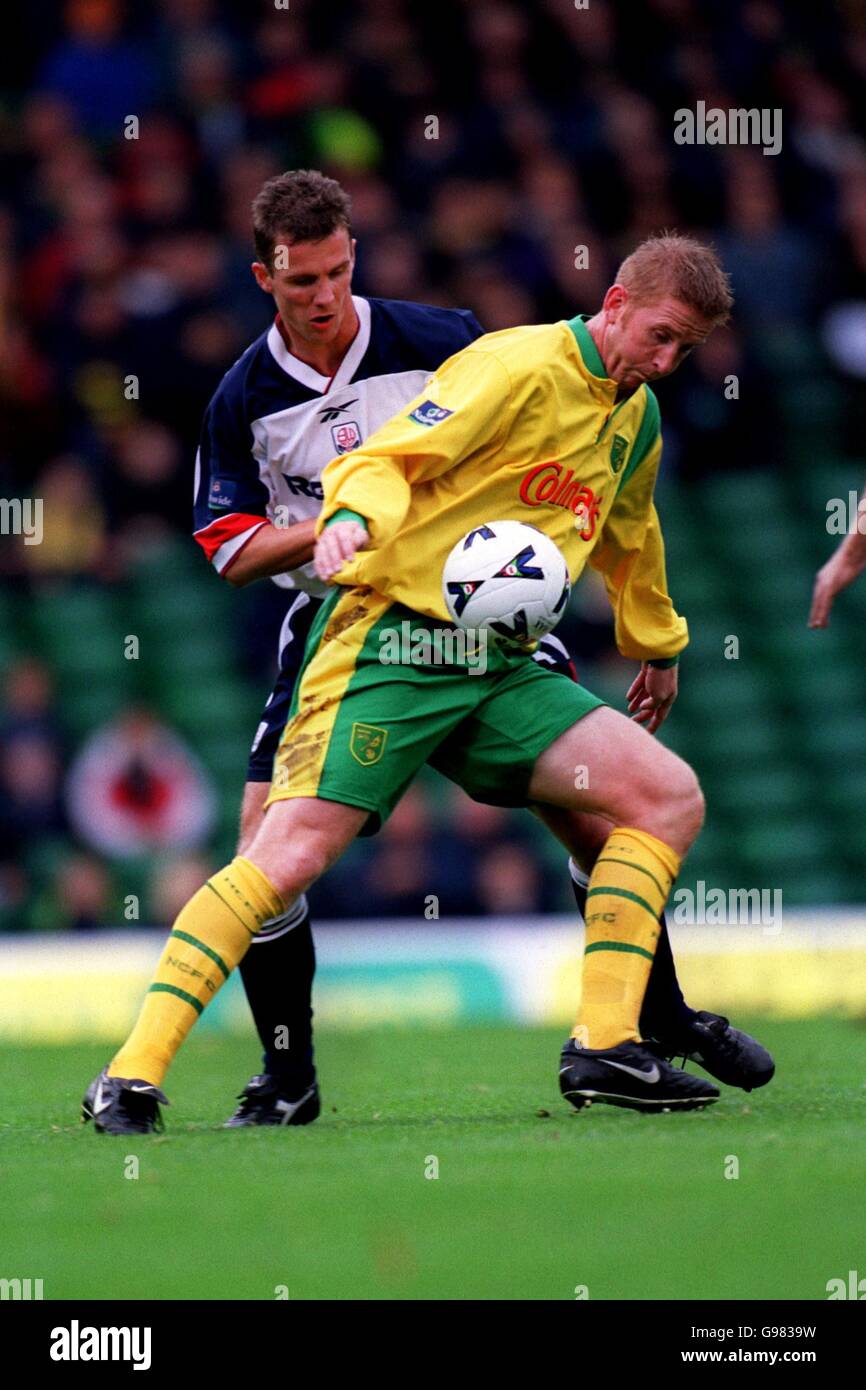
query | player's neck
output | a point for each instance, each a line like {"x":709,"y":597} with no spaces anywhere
{"x":595,"y":328}
{"x":326,"y":359}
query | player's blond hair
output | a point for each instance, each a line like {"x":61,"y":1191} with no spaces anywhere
{"x":682,"y":266}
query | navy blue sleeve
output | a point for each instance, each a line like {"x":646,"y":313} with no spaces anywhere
{"x":230,"y":498}
{"x":473,"y":327}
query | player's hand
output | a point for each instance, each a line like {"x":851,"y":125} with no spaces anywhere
{"x":336,"y":545}
{"x":651,"y":694}
{"x":839,"y":571}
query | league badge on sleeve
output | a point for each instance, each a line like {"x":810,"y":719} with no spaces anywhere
{"x":222,"y":494}
{"x":429,"y":414}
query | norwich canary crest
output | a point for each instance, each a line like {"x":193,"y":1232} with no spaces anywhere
{"x":367,"y":743}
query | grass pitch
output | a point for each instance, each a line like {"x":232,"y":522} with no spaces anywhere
{"x":525,"y":1206}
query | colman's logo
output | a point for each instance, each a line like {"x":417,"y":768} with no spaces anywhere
{"x":550,"y":483}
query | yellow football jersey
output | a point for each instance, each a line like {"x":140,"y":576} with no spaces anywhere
{"x":523,"y":425}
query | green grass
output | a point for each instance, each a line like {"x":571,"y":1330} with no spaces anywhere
{"x":525,"y":1206}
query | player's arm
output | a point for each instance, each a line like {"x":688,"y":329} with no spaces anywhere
{"x":272,"y":550}
{"x":231,"y":501}
{"x":845,"y":564}
{"x":467,"y":404}
{"x":630,"y":557}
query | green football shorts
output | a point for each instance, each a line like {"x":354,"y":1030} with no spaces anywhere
{"x":383,"y":690}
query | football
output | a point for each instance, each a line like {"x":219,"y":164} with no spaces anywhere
{"x":508,"y":579}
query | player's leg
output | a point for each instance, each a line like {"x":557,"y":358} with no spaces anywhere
{"x":725,"y":1052}
{"x":664,"y":1007}
{"x":655,"y":804}
{"x":543,"y":739}
{"x":277,"y":972}
{"x":609,"y":766}
{"x":664,"y":1011}
{"x":297,"y":841}
{"x":211,"y":937}
{"x":728,"y":1054}
{"x":335,"y":772}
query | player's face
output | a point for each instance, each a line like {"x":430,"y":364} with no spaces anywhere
{"x":643,"y":342}
{"x":313,"y":291}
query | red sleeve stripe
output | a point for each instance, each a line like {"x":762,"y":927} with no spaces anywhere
{"x":221,"y":535}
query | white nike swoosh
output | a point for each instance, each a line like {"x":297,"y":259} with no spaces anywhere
{"x":290,"y":1108}
{"x":141,"y":1090}
{"x":98,"y":1103}
{"x":650,"y":1077}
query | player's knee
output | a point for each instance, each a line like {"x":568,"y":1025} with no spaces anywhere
{"x":668,"y":800}
{"x":252,"y":813}
{"x":683,"y":803}
{"x":689,"y":802}
{"x":293,"y":864}
{"x":293,"y":868}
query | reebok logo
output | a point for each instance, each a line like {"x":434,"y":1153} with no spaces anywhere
{"x":77,"y":1343}
{"x":333,"y":412}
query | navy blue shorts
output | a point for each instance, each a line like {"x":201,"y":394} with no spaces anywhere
{"x":299,"y":618}
{"x":294,"y":632}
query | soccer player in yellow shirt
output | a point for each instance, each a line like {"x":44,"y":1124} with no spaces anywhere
{"x":554,"y":425}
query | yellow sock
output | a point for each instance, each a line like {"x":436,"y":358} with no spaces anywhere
{"x":628,"y":889}
{"x":209,"y":938}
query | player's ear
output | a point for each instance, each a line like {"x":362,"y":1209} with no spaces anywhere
{"x":262,"y":277}
{"x":615,"y":300}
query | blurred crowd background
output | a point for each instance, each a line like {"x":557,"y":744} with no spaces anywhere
{"x":132,"y":678}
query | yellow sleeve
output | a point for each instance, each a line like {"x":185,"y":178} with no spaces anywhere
{"x":630,"y":555}
{"x":463,"y":408}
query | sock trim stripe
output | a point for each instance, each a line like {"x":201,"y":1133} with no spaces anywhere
{"x":624,"y":893}
{"x":181,"y":994}
{"x":206,"y":950}
{"x":637,"y":867}
{"x":619,"y":946}
{"x":227,"y":904}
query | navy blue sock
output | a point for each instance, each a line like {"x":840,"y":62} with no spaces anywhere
{"x":278,"y":979}
{"x":664,"y":1012}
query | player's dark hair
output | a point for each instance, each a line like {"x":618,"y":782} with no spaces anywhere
{"x":682,"y":266}
{"x":300,"y":205}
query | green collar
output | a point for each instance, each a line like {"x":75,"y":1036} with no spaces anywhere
{"x":588,"y":350}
